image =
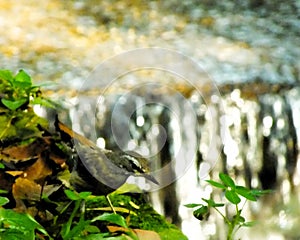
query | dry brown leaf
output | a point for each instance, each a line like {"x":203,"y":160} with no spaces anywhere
{"x":14,"y":173}
{"x":37,"y":171}
{"x":140,"y":233}
{"x":24,"y":152}
{"x":58,"y":159}
{"x":26,"y":189}
{"x":146,"y":234}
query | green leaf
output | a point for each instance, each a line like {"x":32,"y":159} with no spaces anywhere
{"x":92,"y":229}
{"x":99,"y":236}
{"x":3,"y":201}
{"x":216,"y":184}
{"x":228,"y":181}
{"x":77,"y":229}
{"x":245,"y":192}
{"x":6,"y":75}
{"x":14,"y":104}
{"x":20,"y":221}
{"x":249,"y":224}
{"x":212,"y":203}
{"x":22,"y":80}
{"x":3,"y":191}
{"x":239,"y":219}
{"x":84,"y":195}
{"x":27,"y":124}
{"x":2,"y":166}
{"x":258,"y":193}
{"x":72,"y":195}
{"x":15,"y":234}
{"x":193,"y":205}
{"x":112,"y":218}
{"x":43,"y":102}
{"x":201,"y":213}
{"x":232,"y":196}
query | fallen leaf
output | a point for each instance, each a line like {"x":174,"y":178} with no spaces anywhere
{"x":38,"y":171}
{"x":23,"y":152}
{"x":146,"y":234}
{"x":25,"y":189}
{"x":140,"y":233}
{"x":14,"y":173}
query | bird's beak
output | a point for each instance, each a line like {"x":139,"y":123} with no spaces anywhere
{"x":151,"y":178}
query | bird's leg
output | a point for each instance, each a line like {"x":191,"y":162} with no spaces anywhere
{"x":110,"y":204}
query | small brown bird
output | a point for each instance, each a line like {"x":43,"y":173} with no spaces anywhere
{"x":99,"y":170}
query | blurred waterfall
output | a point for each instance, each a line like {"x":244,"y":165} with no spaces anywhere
{"x":260,"y":150}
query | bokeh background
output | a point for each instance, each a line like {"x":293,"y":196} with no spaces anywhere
{"x":249,"y":48}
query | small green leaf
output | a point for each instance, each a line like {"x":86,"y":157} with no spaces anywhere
{"x":239,"y":219}
{"x":92,"y":229}
{"x":43,"y":102}
{"x":84,"y":195}
{"x":193,"y":205}
{"x":3,"y":191}
{"x":228,"y":181}
{"x":20,"y":222}
{"x":77,"y":229}
{"x":122,"y":237}
{"x":22,"y":80}
{"x":232,"y":196}
{"x":112,"y":218}
{"x":99,"y":236}
{"x":201,"y":213}
{"x":6,"y":75}
{"x":14,"y":104}
{"x":212,"y":203}
{"x":3,"y":201}
{"x":15,"y":234}
{"x":2,"y":166}
{"x":216,"y":184}
{"x":72,"y":195}
{"x":245,"y":192}
{"x":249,"y":224}
{"x":258,"y":193}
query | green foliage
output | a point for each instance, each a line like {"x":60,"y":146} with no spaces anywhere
{"x":233,"y":194}
{"x":3,"y":201}
{"x":18,"y":91}
{"x":139,"y":214}
{"x":77,"y":226}
{"x":14,"y":225}
{"x":17,"y":96}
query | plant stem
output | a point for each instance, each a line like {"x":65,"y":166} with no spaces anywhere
{"x":232,"y":224}
{"x":70,"y":220}
{"x":230,"y":230}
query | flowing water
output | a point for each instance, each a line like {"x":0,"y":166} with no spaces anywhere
{"x":248,"y":128}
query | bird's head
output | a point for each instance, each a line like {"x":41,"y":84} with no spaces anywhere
{"x":137,"y":165}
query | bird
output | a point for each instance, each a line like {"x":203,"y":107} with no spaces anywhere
{"x":101,"y":171}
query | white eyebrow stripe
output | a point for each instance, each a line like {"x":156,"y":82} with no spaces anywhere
{"x":134,"y":160}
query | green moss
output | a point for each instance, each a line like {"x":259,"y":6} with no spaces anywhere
{"x":139,"y":214}
{"x":172,"y":233}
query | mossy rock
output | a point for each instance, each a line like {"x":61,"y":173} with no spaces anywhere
{"x":135,"y":208}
